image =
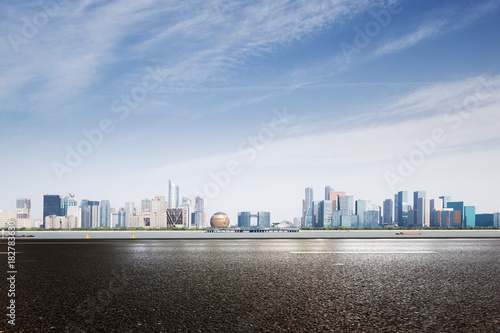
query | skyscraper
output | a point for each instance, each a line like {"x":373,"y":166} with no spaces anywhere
{"x":263,"y":219}
{"x":85,"y":211}
{"x":402,"y":204}
{"x":145,"y":206}
{"x":307,"y":208}
{"x":470,"y":216}
{"x":199,"y":217}
{"x":324,"y":217}
{"x":328,"y":189}
{"x":23,"y":206}
{"x":122,"y":220}
{"x":67,"y":201}
{"x":51,"y":206}
{"x":129,"y":210}
{"x":244,"y":219}
{"x":445,"y":199}
{"x":158,"y":205}
{"x":90,"y":214}
{"x":173,"y":195}
{"x":105,"y":214}
{"x":186,"y":205}
{"x":423,"y":212}
{"x":436,"y":207}
{"x":334,"y":198}
{"x":346,"y":203}
{"x":416,"y":196}
{"x":458,"y":209}
{"x":388,"y":211}
{"x":361,"y":209}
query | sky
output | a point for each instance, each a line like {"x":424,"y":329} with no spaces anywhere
{"x":247,"y":103}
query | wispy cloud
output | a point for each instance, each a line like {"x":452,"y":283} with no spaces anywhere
{"x":439,"y":22}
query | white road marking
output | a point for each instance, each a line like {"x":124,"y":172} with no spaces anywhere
{"x":363,"y":252}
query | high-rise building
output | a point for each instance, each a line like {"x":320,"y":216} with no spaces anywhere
{"x":445,"y":199}
{"x":158,"y":205}
{"x":346,"y":203}
{"x":324,"y":217}
{"x":23,"y":206}
{"x":349,"y":221}
{"x":458,"y":208}
{"x":416,"y":195}
{"x":105,"y":214}
{"x":372,"y":218}
{"x":337,"y":215}
{"x":488,"y":220}
{"x":244,"y":219}
{"x":388,"y":209}
{"x":334,"y":198}
{"x":307,"y":208}
{"x":402,"y":206}
{"x":263,"y":219}
{"x":199,"y":216}
{"x":186,"y":205}
{"x":85,"y":220}
{"x":76,"y":213}
{"x":114,"y":219}
{"x":67,"y":201}
{"x":423,"y":212}
{"x":23,"y":203}
{"x":51,"y":206}
{"x":445,"y":217}
{"x":328,"y":189}
{"x":95,"y":214}
{"x":122,"y":218}
{"x":361,"y":209}
{"x":436,"y":206}
{"x":470,"y":216}
{"x":173,"y":195}
{"x":129,"y":210}
{"x":90,"y":214}
{"x":145,"y":206}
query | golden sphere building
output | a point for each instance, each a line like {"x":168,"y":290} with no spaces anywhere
{"x":219,"y":220}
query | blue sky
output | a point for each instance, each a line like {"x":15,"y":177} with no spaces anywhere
{"x":377,"y":96}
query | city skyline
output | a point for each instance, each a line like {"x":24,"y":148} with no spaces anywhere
{"x":329,"y":211}
{"x":109,"y":99}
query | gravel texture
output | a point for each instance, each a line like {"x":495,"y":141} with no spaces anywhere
{"x":256,"y":286}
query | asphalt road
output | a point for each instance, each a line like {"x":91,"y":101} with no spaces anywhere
{"x":255,"y":285}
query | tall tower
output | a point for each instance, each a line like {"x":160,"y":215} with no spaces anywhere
{"x":328,"y":189}
{"x":186,"y":205}
{"x":67,"y":201}
{"x":199,"y":217}
{"x":307,"y":208}
{"x":51,"y":206}
{"x":402,"y":206}
{"x":105,"y":214}
{"x":173,"y":195}
{"x":416,"y":196}
{"x":388,"y":211}
{"x":423,"y":212}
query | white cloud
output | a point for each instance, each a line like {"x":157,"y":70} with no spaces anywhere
{"x":440,"y":22}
